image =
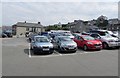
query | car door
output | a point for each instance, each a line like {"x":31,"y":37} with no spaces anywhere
{"x":79,"y":41}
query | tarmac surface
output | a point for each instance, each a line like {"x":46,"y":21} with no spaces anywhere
{"x":18,"y":60}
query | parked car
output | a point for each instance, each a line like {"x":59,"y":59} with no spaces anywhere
{"x":3,"y":35}
{"x":31,"y":36}
{"x":65,"y":44}
{"x":41,"y":44}
{"x":87,"y":42}
{"x":8,"y":33}
{"x":104,"y":32}
{"x":85,"y":33}
{"x":107,"y":40}
{"x":116,"y":33}
{"x":68,"y":34}
{"x":49,"y":37}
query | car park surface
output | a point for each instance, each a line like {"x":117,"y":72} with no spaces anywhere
{"x":18,"y":60}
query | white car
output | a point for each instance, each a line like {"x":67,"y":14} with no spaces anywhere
{"x":107,"y":40}
{"x":68,"y":35}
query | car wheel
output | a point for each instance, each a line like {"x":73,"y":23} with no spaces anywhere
{"x":51,"y":52}
{"x":59,"y":49}
{"x":85,"y":48}
{"x":105,"y":45}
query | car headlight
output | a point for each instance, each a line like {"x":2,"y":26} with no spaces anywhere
{"x":63,"y":45}
{"x":89,"y":42}
{"x":100,"y":42}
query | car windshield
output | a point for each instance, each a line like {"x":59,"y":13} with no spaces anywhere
{"x":42,"y":39}
{"x":65,"y":39}
{"x":67,"y":34}
{"x":88,"y":38}
{"x":108,"y":35}
{"x":102,"y":33}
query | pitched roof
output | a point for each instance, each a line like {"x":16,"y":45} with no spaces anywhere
{"x":23,"y":24}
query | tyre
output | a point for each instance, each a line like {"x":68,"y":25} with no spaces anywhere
{"x":105,"y":45}
{"x":59,"y":49}
{"x":51,"y":52}
{"x":85,"y":48}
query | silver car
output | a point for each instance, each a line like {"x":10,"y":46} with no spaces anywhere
{"x":65,"y":44}
{"x":107,"y":40}
{"x":41,"y":44}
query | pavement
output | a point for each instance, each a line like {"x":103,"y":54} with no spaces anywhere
{"x":18,"y":60}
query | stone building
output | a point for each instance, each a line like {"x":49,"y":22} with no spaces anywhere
{"x":21,"y":28}
{"x":81,"y":26}
{"x":114,"y":24}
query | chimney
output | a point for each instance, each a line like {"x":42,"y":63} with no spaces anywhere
{"x":39,"y":23}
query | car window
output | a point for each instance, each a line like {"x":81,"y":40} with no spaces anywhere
{"x":41,"y":39}
{"x":79,"y":38}
{"x":95,"y":35}
{"x":88,"y":38}
{"x":65,"y":39}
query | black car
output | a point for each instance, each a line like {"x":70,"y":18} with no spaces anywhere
{"x":7,"y":33}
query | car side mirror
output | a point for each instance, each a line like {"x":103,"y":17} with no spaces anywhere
{"x":33,"y":41}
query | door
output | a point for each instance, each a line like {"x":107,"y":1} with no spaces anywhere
{"x":79,"y":41}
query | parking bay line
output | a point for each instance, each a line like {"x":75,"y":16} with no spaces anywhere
{"x":29,"y":52}
{"x":63,"y":54}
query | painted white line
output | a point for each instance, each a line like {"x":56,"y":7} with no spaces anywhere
{"x":58,"y":54}
{"x":29,"y":51}
{"x":44,"y":56}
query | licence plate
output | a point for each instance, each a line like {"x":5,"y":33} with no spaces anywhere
{"x":71,"y":47}
{"x":45,"y":49}
{"x":97,"y":46}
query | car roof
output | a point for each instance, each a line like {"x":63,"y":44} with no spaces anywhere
{"x":39,"y":36}
{"x":77,"y":34}
{"x":100,"y":30}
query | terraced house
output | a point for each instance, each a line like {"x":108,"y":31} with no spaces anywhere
{"x":21,"y":28}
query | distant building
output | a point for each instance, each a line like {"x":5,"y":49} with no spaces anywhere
{"x":81,"y":26}
{"x":114,"y":24}
{"x":76,"y":26}
{"x":21,"y":28}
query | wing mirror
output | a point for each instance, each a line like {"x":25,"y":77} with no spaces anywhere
{"x":32,"y":41}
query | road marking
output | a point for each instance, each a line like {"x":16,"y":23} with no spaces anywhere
{"x":29,"y":51}
{"x":58,"y":54}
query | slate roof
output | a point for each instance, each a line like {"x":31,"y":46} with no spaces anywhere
{"x":23,"y":24}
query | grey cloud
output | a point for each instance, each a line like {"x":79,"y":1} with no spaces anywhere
{"x":54,"y":12}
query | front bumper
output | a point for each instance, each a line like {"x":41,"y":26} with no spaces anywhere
{"x":43,"y":50}
{"x":95,"y":46}
{"x":114,"y":44}
{"x":68,"y":49}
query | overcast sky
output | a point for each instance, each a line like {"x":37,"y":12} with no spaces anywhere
{"x":49,"y":13}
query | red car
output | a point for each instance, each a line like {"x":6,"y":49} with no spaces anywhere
{"x":87,"y":42}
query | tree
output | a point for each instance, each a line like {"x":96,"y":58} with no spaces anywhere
{"x":102,"y":22}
